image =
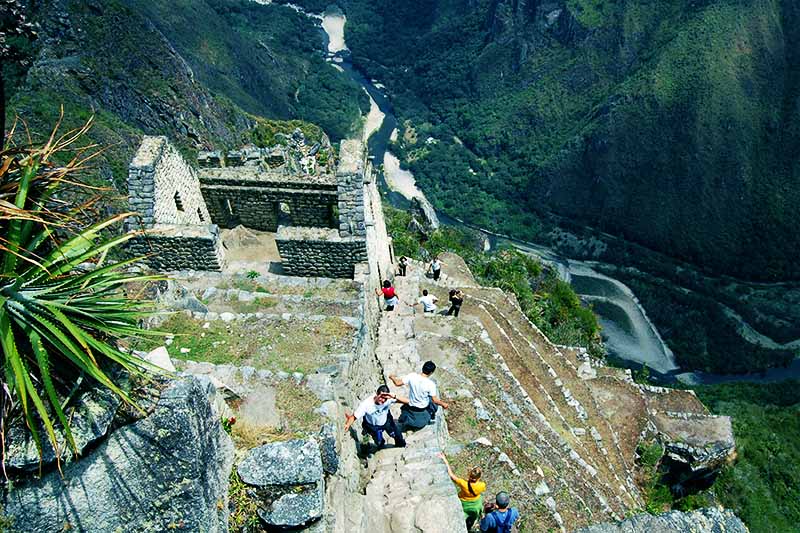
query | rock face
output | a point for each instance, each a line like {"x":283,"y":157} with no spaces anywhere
{"x":91,"y":416}
{"x":287,"y":477}
{"x":166,"y":472}
{"x":422,"y":207}
{"x":705,"y":520}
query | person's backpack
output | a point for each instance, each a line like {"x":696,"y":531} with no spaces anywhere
{"x":505,"y":524}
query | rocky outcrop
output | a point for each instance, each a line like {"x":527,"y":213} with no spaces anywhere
{"x":705,"y":520}
{"x":422,"y":208}
{"x":287,"y":478}
{"x":702,"y":442}
{"x":165,"y":472}
{"x":91,"y":414}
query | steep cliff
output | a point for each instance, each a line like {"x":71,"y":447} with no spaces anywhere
{"x":671,"y":124}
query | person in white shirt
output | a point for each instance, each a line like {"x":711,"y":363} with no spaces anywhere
{"x":428,"y":302}
{"x":376,"y":417}
{"x":422,"y":398}
{"x":436,"y":268}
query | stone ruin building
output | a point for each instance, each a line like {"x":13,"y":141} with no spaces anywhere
{"x":317,"y":213}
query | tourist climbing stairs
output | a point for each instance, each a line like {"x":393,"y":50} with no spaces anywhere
{"x":408,"y":488}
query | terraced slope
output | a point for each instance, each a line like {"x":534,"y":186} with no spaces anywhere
{"x":554,"y":428}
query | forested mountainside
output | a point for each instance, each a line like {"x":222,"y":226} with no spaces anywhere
{"x":672,"y":124}
{"x":198,"y":71}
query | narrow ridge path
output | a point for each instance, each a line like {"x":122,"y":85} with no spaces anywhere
{"x":408,"y":490}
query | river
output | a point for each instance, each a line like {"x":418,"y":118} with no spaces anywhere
{"x":629,"y":335}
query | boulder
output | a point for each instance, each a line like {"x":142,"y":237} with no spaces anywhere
{"x":90,"y":416}
{"x":422,"y":207}
{"x":328,"y":450}
{"x":160,"y":358}
{"x":480,"y":411}
{"x":287,"y":481}
{"x":586,"y":371}
{"x":165,"y":472}
{"x":299,"y":507}
{"x":191,"y":303}
{"x":294,"y":462}
{"x":321,"y":385}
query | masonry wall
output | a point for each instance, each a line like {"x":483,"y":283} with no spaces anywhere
{"x":364,"y":373}
{"x":319,"y":256}
{"x":176,"y":247}
{"x":163,"y":188}
{"x":350,"y":180}
{"x":259,"y":208}
{"x":379,"y":245}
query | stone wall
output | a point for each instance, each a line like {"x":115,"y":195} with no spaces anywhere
{"x":319,"y":252}
{"x":163,"y":188}
{"x":379,"y":245}
{"x":174,"y":247}
{"x":350,"y":181}
{"x":164,"y":191}
{"x":259,"y":208}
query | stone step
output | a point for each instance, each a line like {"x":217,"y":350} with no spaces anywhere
{"x":409,"y":489}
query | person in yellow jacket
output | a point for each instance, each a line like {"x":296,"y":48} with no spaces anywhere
{"x":470,"y":492}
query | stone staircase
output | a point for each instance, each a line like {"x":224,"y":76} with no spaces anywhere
{"x":408,"y":489}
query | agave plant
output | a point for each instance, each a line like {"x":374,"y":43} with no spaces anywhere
{"x":58,"y":323}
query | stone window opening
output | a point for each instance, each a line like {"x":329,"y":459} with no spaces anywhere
{"x":178,"y":201}
{"x":284,"y":214}
{"x":200,"y":215}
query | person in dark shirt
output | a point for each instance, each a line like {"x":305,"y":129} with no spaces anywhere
{"x":456,"y":301}
{"x":402,"y":265}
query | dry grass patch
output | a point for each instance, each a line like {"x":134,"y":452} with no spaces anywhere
{"x":247,"y":436}
{"x":296,"y":405}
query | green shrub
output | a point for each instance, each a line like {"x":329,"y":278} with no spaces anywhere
{"x":57,"y":323}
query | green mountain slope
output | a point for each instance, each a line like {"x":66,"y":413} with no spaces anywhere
{"x":671,"y":124}
{"x":200,"y":72}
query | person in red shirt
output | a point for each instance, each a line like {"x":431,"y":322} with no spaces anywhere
{"x":389,"y":295}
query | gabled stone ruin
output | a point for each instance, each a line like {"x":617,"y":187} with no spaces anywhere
{"x":165,"y":193}
{"x":316,"y":213}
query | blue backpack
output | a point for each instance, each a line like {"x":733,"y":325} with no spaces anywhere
{"x":503,"y":521}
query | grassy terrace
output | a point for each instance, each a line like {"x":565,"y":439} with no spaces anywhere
{"x":276,"y":345}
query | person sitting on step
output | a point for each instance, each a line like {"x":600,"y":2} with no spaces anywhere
{"x":422,"y":398}
{"x":499,"y":518}
{"x":470,"y":492}
{"x":377,"y":418}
